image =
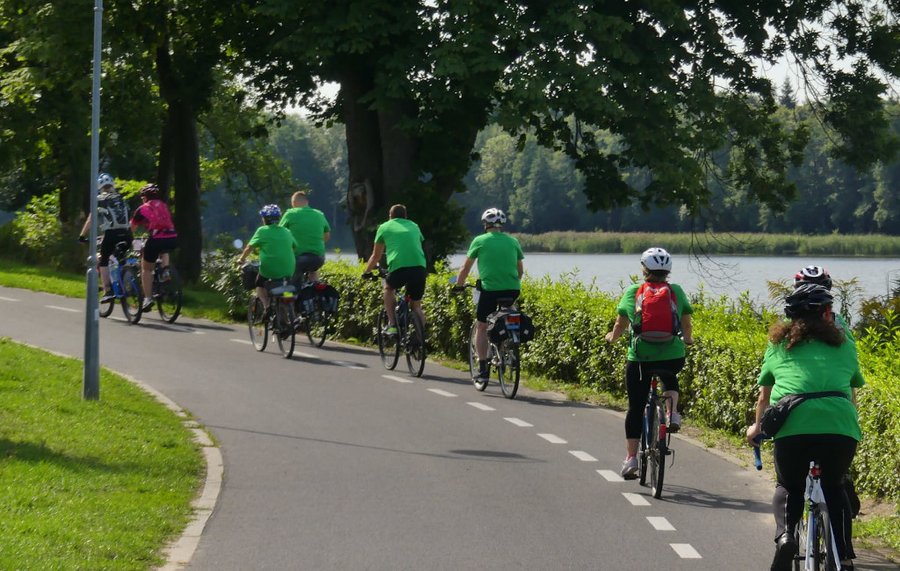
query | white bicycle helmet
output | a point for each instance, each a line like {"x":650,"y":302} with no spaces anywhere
{"x":493,"y":217}
{"x":813,"y":275}
{"x":656,"y":260}
{"x":105,"y":180}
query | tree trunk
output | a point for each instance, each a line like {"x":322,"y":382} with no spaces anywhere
{"x":365,"y":192}
{"x":186,"y":169}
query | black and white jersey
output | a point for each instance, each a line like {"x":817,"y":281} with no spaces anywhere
{"x":112,"y":212}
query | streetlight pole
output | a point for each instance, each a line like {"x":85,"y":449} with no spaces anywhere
{"x":91,"y":384}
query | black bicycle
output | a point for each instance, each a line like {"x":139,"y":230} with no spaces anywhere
{"x":277,"y":319}
{"x":655,"y":440}
{"x":167,"y":291}
{"x":504,"y":344}
{"x":409,"y":336}
{"x":315,"y":310}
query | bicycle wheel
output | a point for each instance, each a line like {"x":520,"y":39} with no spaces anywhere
{"x":657,"y":452}
{"x":258,"y":324}
{"x":169,"y":294}
{"x":133,"y":298}
{"x":106,"y":308}
{"x":829,"y":557}
{"x":508,"y":371}
{"x":388,"y":345}
{"x":284,"y":328}
{"x":645,"y":447}
{"x":414,"y":345}
{"x":317,"y":324}
{"x":473,"y":361}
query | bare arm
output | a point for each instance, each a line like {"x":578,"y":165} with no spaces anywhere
{"x":377,"y":252}
{"x":87,"y":226}
{"x":618,"y":328}
{"x":247,"y":249}
{"x":326,"y":236}
{"x":761,"y":404}
{"x":687,"y":329}
{"x":521,"y":267}
{"x":464,"y":271}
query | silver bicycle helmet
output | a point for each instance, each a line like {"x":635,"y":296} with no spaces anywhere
{"x":656,"y":260}
{"x":493,"y":217}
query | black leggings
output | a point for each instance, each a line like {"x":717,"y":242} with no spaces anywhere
{"x":835,"y":453}
{"x":637,"y":383}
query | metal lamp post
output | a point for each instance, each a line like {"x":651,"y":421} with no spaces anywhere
{"x":91,"y":384}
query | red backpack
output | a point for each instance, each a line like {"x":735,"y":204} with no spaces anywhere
{"x":655,"y":313}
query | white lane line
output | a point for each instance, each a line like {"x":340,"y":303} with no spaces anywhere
{"x":481,"y":406}
{"x":442,"y":393}
{"x":685,"y":551}
{"x":398,"y":379}
{"x":518,"y":422}
{"x":304,"y":355}
{"x":7,"y":299}
{"x":611,"y":476}
{"x":244,"y":341}
{"x":660,"y":523}
{"x":582,"y":455}
{"x":347,"y":364}
{"x":552,"y":438}
{"x":636,"y":499}
{"x":69,"y":309}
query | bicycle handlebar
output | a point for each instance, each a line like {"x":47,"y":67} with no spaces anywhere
{"x":757,"y":459}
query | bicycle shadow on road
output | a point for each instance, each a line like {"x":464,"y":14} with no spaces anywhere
{"x":468,"y":455}
{"x":684,"y":495}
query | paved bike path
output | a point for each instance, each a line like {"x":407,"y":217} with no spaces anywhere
{"x":333,"y":463}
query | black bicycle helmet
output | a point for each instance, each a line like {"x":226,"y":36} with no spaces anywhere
{"x":150,"y":191}
{"x":813,"y":275}
{"x":807,"y":299}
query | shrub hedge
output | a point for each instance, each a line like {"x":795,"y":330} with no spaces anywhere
{"x":571,"y":318}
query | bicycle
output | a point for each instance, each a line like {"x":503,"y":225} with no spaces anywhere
{"x":277,"y":318}
{"x":167,"y":291}
{"x":314,"y":316}
{"x":410,"y":336}
{"x":502,"y":356}
{"x":655,"y":439}
{"x":126,"y":284}
{"x":813,"y":533}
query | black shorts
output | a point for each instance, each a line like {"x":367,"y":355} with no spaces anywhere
{"x":487,"y":302}
{"x":412,"y":277}
{"x":307,"y":262}
{"x":267,"y":282}
{"x":108,"y":244}
{"x":153,"y":247}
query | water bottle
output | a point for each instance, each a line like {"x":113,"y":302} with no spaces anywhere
{"x":114,"y":276}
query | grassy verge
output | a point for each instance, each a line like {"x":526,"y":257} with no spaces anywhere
{"x":88,"y":485}
{"x":199,"y":301}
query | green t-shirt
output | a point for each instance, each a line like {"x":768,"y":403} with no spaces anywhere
{"x":498,"y":256}
{"x":276,"y":248}
{"x":402,"y":241}
{"x":811,"y":367}
{"x":640,"y":350}
{"x":308,"y":226}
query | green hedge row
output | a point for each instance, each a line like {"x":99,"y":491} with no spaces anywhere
{"x":718,"y":383}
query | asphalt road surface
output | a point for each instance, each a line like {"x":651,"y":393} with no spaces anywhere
{"x":331,"y":462}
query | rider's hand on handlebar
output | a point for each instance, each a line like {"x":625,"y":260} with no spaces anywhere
{"x":458,"y":288}
{"x":368,"y":276}
{"x":83,"y":239}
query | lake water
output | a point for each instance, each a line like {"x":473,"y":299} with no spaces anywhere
{"x":718,"y":275}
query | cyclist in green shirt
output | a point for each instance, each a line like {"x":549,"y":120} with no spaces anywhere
{"x":666,"y":358}
{"x":500,"y":271}
{"x":276,"y":246}
{"x":810,"y":353}
{"x":311,"y":231}
{"x":402,"y":240}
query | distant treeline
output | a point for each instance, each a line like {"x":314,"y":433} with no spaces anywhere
{"x":872,"y":245}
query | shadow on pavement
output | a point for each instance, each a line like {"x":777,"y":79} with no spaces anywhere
{"x":684,"y":495}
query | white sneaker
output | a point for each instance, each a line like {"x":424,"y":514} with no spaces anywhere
{"x":629,"y":468}
{"x":674,"y":421}
{"x":148,"y":304}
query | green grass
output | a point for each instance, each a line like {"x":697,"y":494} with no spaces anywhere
{"x":87,"y":484}
{"x":199,"y":301}
{"x":879,"y":531}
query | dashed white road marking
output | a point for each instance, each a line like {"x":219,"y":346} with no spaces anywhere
{"x":636,"y":499}
{"x":518,"y":422}
{"x":685,"y":551}
{"x":69,"y":309}
{"x":660,"y":523}
{"x":552,"y":438}
{"x":442,"y":393}
{"x":398,"y":379}
{"x":304,"y":355}
{"x":7,"y":299}
{"x":244,"y":341}
{"x":481,"y":406}
{"x":611,"y":476}
{"x":347,"y":364}
{"x":582,"y":455}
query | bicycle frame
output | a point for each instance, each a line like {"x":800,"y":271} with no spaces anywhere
{"x":814,"y":497}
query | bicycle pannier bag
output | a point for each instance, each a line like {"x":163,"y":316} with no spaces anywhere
{"x":505,"y":324}
{"x":774,"y":417}
{"x":655,"y":313}
{"x":249,"y":271}
{"x":307,"y":299}
{"x":328,"y":297}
